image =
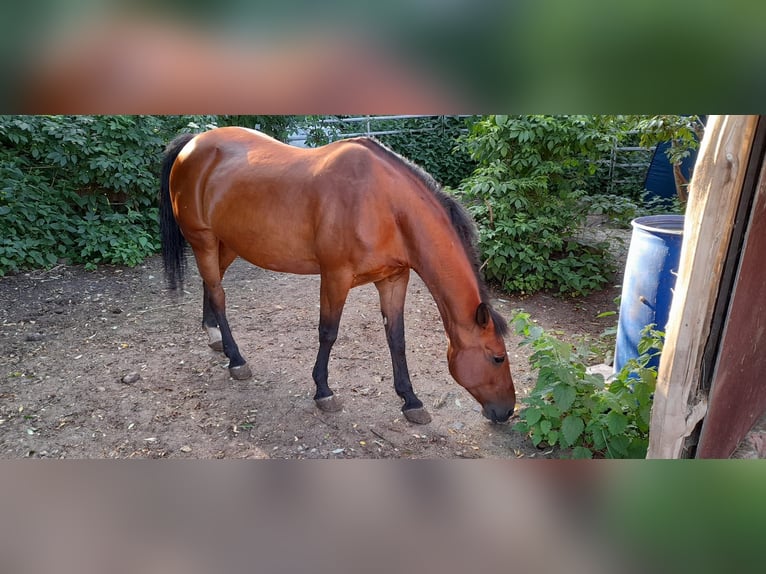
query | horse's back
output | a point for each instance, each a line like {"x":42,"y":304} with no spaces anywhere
{"x":286,"y":208}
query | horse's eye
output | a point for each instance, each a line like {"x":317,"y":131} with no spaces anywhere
{"x":498,"y":359}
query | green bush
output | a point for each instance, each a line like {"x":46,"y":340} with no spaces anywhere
{"x":83,"y":189}
{"x":278,"y":127}
{"x":428,"y":141}
{"x":578,"y":411}
{"x":526,"y":198}
{"x":621,"y":210}
{"x":43,"y":225}
{"x":431,"y":143}
{"x":79,"y":188}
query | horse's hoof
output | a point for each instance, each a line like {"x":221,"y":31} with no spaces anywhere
{"x":215,"y":341}
{"x":418,"y":416}
{"x":328,"y":404}
{"x":241,"y":372}
{"x":216,"y":346}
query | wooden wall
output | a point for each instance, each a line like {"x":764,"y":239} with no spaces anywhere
{"x":738,"y":388}
{"x":716,"y":189}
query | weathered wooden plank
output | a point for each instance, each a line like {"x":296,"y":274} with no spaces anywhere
{"x":714,"y":196}
{"x":738,"y":395}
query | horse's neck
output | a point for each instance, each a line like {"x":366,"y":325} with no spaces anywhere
{"x":449,"y":276}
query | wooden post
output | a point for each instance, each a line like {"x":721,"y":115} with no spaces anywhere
{"x":737,"y":397}
{"x":713,"y":200}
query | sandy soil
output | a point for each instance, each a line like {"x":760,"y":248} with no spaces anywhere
{"x":69,"y":337}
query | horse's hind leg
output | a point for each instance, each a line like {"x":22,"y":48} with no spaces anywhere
{"x":392,"y":291}
{"x":209,"y":322}
{"x":209,"y":265}
{"x":334,"y":289}
{"x":225,"y":258}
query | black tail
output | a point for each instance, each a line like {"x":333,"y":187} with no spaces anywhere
{"x":173,"y":242}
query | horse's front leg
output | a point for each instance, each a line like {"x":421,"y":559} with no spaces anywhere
{"x":334,"y":289}
{"x":393,"y":291}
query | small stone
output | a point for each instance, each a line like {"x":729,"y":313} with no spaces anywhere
{"x":131,"y":378}
{"x":34,"y":337}
{"x":457,"y":425}
{"x":115,"y":310}
{"x":442,"y":400}
{"x":186,"y":449}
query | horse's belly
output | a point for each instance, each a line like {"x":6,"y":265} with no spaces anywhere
{"x":277,"y":256}
{"x":296,"y":267}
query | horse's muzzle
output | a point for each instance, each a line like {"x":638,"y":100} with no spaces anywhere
{"x":496,"y":413}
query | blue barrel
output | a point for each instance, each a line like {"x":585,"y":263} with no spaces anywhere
{"x":647,"y":287}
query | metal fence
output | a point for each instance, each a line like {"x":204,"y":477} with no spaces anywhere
{"x":339,"y":128}
{"x":627,"y":168}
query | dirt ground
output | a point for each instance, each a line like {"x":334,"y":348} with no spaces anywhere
{"x":69,"y":337}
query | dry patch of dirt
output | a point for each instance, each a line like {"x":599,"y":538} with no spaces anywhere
{"x":70,"y":337}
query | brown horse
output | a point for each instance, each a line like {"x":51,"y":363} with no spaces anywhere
{"x":353,"y":212}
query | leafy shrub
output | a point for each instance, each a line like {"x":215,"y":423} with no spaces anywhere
{"x":79,"y":188}
{"x":526,"y":197}
{"x":428,"y":141}
{"x":621,"y":210}
{"x":43,"y":226}
{"x":83,"y":188}
{"x":277,"y":126}
{"x":431,"y":143}
{"x":116,"y":238}
{"x":573,"y":409}
{"x":114,"y":156}
{"x":36,"y":231}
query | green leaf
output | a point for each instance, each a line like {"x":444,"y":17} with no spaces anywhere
{"x":617,"y":446}
{"x":551,"y":411}
{"x":564,"y":396}
{"x":520,"y":426}
{"x":638,"y":447}
{"x":616,"y":422}
{"x":581,"y":452}
{"x":532,"y":416}
{"x":644,"y":412}
{"x":571,"y":429}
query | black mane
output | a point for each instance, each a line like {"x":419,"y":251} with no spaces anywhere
{"x":459,"y":217}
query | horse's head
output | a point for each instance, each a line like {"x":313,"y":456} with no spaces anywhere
{"x":479,"y":363}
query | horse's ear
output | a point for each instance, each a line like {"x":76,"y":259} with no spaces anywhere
{"x":482,"y":315}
